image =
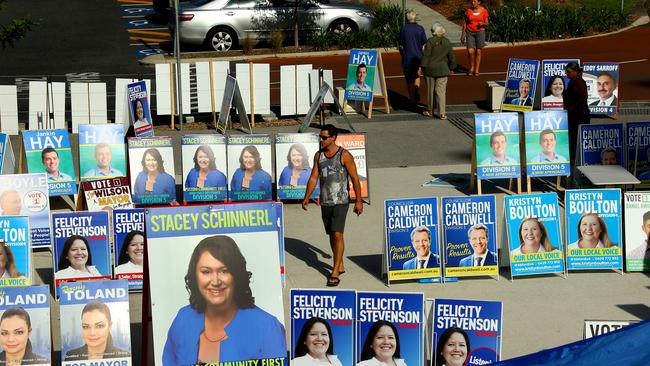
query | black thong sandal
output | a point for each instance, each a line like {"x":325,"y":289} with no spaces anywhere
{"x":333,"y":281}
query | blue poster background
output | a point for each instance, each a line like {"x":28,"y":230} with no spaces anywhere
{"x":538,"y":164}
{"x":638,"y":149}
{"x":591,"y":72}
{"x":607,"y":203}
{"x":486,"y":164}
{"x":164,"y":188}
{"x":551,"y":69}
{"x":543,"y":206}
{"x":138,"y":91}
{"x":484,"y":327}
{"x":216,"y":184}
{"x":35,"y":142}
{"x":374,"y":306}
{"x":335,"y":306}
{"x":402,"y":217}
{"x":39,"y":314}
{"x":459,"y":214}
{"x":309,"y":144}
{"x":89,"y":137}
{"x":124,"y":222}
{"x":353,"y":91}
{"x":595,"y":139}
{"x":14,"y":230}
{"x":67,"y":224}
{"x":518,"y":70}
{"x":3,"y":144}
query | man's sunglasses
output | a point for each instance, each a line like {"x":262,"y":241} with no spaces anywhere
{"x":324,"y":137}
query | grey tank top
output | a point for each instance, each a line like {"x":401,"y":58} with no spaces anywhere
{"x":333,"y":179}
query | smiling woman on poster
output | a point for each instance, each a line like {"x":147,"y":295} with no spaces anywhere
{"x":138,"y":113}
{"x":153,"y":179}
{"x":453,"y":347}
{"x":205,"y":173}
{"x":15,"y":331}
{"x":221,"y":323}
{"x":381,"y":347}
{"x":96,"y":326}
{"x":315,"y":345}
{"x":533,"y":237}
{"x":297,"y":171}
{"x":554,"y":90}
{"x":8,"y":268}
{"x":250,"y":176}
{"x":131,"y":256}
{"x":76,"y":259}
{"x":592,"y":232}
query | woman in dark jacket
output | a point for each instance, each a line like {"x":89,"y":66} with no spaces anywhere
{"x":575,"y":103}
{"x":437,"y":63}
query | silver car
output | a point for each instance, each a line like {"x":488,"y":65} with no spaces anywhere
{"x":223,"y":24}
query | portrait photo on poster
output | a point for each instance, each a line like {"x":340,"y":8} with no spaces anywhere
{"x":151,"y":164}
{"x":102,"y":153}
{"x":250,"y":168}
{"x":204,"y":168}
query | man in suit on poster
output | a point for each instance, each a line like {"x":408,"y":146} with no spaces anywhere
{"x":524,"y":94}
{"x":478,"y":239}
{"x":421,"y":241}
{"x":605,"y":86}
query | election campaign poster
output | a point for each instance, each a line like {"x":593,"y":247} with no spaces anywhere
{"x":470,"y":235}
{"x":292,"y":176}
{"x":391,"y":314}
{"x":26,"y":311}
{"x":356,"y":145}
{"x":637,"y":231}
{"x":128,"y":246}
{"x":15,"y":247}
{"x":250,"y":167}
{"x":534,"y":236}
{"x":95,"y":315}
{"x":279,"y":210}
{"x":476,"y":323}
{"x":49,"y":151}
{"x":3,"y":145}
{"x":27,"y":194}
{"x":328,"y":313}
{"x":547,"y":144}
{"x":81,"y":246}
{"x":101,"y":151}
{"x":602,"y":144}
{"x":554,"y":82}
{"x":594,"y":328}
{"x":360,"y":79}
{"x":521,"y":84}
{"x":593,"y":226}
{"x":497,"y":145}
{"x":412,"y":244}
{"x":241,"y":238}
{"x":204,"y":168}
{"x":603,"y":90}
{"x":638,"y":149}
{"x":107,"y":194}
{"x":151,"y":164}
{"x":139,"y":111}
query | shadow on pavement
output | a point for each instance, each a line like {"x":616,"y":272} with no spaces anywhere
{"x":371,"y":263}
{"x":640,"y":311}
{"x":308,"y":254}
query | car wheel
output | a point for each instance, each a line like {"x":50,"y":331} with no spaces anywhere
{"x":342,"y":26}
{"x":221,"y":39}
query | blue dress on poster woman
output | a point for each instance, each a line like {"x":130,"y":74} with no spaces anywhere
{"x":164,"y":184}
{"x":252,"y":334}
{"x":215,"y":178}
{"x":285,"y":176}
{"x":260,"y":182}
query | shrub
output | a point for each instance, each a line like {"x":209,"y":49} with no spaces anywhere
{"x":276,"y":39}
{"x":248,"y":44}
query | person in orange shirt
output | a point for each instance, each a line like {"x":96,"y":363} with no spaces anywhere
{"x":476,"y":20}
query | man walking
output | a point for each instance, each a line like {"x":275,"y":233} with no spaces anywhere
{"x":335,"y":165}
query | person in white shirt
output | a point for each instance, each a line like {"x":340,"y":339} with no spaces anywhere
{"x":592,"y":232}
{"x":452,"y":348}
{"x":533,"y":237}
{"x":131,"y":257}
{"x":381,"y":347}
{"x":315,"y":345}
{"x":76,"y":260}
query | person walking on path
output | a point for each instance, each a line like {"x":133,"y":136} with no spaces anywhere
{"x":476,"y":20}
{"x":437,"y":62}
{"x":335,"y":167}
{"x":411,"y":40}
{"x":575,"y":103}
